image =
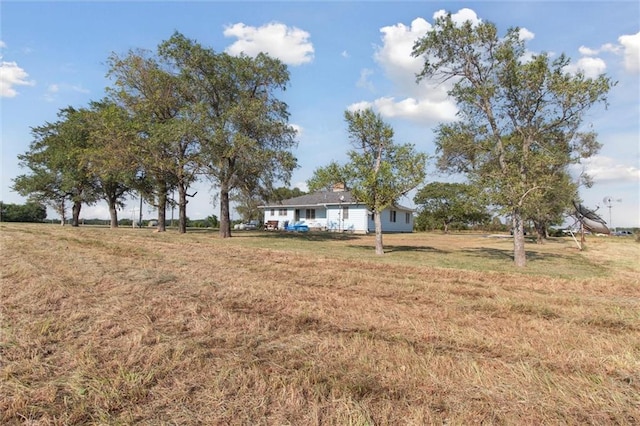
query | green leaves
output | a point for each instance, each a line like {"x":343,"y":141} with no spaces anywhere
{"x":520,"y":114}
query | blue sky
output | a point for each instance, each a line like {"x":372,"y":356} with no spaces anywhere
{"x":340,"y":54}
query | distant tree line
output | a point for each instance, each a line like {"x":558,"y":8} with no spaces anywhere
{"x":29,"y":212}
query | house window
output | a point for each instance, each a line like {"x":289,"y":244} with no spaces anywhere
{"x":407,"y":217}
{"x":282,"y":212}
{"x":345,"y":212}
{"x":310,"y":214}
{"x":392,"y":215}
{"x":273,"y":212}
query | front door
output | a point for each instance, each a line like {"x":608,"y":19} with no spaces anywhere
{"x":297,"y":216}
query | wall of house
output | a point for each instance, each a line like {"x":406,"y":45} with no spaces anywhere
{"x":355,"y":222}
{"x":400,"y":224}
{"x":330,"y":218}
{"x":275,"y":214}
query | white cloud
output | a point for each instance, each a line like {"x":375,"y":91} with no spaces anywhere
{"x":590,"y":67}
{"x":2,"y":44}
{"x":605,"y":169}
{"x":297,"y":128}
{"x":54,"y":89}
{"x":628,"y":47}
{"x":587,"y":51}
{"x":395,"y":53}
{"x":359,"y":106}
{"x":289,"y":44}
{"x":526,"y":35}
{"x":426,"y":102}
{"x":345,"y":54}
{"x":12,"y":75}
{"x":302,"y":186}
{"x":631,"y":46}
{"x":460,"y":17}
{"x":364,"y":80}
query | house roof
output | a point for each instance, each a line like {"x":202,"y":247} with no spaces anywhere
{"x":319,"y":199}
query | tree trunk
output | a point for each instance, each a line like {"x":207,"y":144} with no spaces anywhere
{"x":378,"y":225}
{"x":75,"y":213}
{"x":182,"y":209}
{"x":113,"y":212}
{"x":62,"y":211}
{"x":519,"y":255}
{"x":446,"y":227}
{"x":225,"y":220}
{"x":541,"y":232}
{"x":162,"y":210}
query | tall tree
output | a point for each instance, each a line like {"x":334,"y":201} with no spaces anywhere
{"x":58,"y":172}
{"x":242,"y":126}
{"x":448,"y":202}
{"x":379,"y":171}
{"x":166,"y":150}
{"x":111,"y":134}
{"x":516,"y":110}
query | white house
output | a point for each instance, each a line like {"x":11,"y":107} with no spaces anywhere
{"x":335,"y":211}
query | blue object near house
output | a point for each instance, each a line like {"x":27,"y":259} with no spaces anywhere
{"x":297,"y":227}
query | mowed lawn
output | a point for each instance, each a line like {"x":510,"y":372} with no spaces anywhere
{"x":130,"y":326}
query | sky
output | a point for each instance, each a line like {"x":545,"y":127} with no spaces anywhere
{"x":340,"y":54}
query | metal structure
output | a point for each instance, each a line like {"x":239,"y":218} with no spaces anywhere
{"x":589,"y":221}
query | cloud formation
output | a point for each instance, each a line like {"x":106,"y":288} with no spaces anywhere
{"x":590,"y":67}
{"x":426,"y":103}
{"x":11,"y":75}
{"x":606,"y":169}
{"x":631,"y":47}
{"x":289,"y":44}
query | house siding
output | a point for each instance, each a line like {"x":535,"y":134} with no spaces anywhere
{"x":329,"y":214}
{"x":400,"y":224}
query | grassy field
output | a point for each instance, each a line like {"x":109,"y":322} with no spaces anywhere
{"x":130,"y":326}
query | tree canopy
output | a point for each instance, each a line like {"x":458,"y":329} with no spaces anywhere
{"x":57,"y":171}
{"x":447,"y":202}
{"x":520,"y":115}
{"x":238,"y":119}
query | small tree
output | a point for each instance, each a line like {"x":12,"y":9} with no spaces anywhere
{"x":379,"y":171}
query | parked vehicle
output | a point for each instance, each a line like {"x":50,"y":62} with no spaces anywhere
{"x":297,"y":227}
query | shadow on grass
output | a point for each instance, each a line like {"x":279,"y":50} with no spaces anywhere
{"x":300,"y":236}
{"x":499,"y":254}
{"x":399,"y":249}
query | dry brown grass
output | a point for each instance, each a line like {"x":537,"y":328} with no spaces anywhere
{"x":128,"y":326}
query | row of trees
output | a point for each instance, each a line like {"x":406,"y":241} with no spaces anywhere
{"x":172,"y":117}
{"x":187,"y":111}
